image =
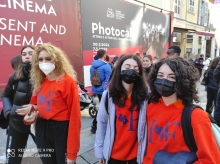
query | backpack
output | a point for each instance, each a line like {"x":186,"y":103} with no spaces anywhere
{"x":187,"y":128}
{"x":96,"y":80}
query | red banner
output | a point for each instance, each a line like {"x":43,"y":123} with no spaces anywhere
{"x":24,"y":22}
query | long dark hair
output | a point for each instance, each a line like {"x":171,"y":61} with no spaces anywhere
{"x":118,"y":92}
{"x":186,"y":77}
{"x":214,"y":63}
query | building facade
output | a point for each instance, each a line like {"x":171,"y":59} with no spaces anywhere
{"x":193,"y":30}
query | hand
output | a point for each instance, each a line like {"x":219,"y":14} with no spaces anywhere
{"x":32,"y":117}
{"x":69,"y":161}
{"x":24,"y":110}
{"x":90,"y":93}
{"x":101,"y":161}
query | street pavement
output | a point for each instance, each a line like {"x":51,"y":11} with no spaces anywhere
{"x":86,"y":153}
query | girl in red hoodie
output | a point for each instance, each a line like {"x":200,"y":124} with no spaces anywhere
{"x":173,"y":85}
{"x":55,"y":96}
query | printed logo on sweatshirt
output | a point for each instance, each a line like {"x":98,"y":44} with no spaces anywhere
{"x":124,"y":120}
{"x":46,"y":100}
{"x":163,"y":133}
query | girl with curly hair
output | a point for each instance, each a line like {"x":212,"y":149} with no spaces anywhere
{"x":121,"y":135}
{"x":55,"y":96}
{"x":173,"y":85}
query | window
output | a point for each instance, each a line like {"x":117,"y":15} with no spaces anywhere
{"x":200,"y":40}
{"x":206,"y":14}
{"x":199,"y":51}
{"x":191,"y":6}
{"x":176,"y":6}
{"x":203,"y":13}
{"x":189,"y":38}
{"x":188,"y":50}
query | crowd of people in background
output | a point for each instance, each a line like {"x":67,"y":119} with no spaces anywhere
{"x":141,"y":104}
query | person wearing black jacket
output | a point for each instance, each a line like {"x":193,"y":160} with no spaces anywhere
{"x":199,"y":64}
{"x":16,"y":94}
{"x":217,"y":107}
{"x":212,"y":87}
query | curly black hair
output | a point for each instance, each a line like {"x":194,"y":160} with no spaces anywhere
{"x":186,"y":77}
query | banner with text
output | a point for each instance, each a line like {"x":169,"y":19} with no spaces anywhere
{"x":27,"y":22}
{"x":122,"y":28}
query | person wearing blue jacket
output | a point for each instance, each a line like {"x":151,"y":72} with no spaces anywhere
{"x":104,"y":71}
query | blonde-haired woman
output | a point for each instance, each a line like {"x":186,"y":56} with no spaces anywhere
{"x":55,"y":96}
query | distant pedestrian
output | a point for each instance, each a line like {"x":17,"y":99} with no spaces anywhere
{"x":147,"y":64}
{"x":104,"y":71}
{"x":174,"y":51}
{"x":206,"y":63}
{"x":15,"y":62}
{"x":156,"y":58}
{"x":199,"y":64}
{"x":217,"y":106}
{"x":114,"y":61}
{"x":191,"y":60}
{"x":212,"y":87}
{"x":107,"y":60}
{"x":138,"y":55}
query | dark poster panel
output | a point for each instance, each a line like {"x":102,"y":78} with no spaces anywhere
{"x":156,"y":33}
{"x":111,"y":25}
{"x":36,"y":22}
{"x":122,"y":28}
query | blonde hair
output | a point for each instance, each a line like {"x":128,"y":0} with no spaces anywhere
{"x":58,"y":57}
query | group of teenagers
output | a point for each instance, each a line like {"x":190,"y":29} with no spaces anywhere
{"x":139,"y":113}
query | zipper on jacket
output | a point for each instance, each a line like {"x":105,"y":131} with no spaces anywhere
{"x":141,"y":153}
{"x":141,"y":140}
{"x":109,"y":133}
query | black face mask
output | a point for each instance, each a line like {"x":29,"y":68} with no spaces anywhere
{"x":165,"y":87}
{"x":129,"y":76}
{"x":27,"y":66}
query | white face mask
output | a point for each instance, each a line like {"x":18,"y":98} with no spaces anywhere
{"x":46,"y":68}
